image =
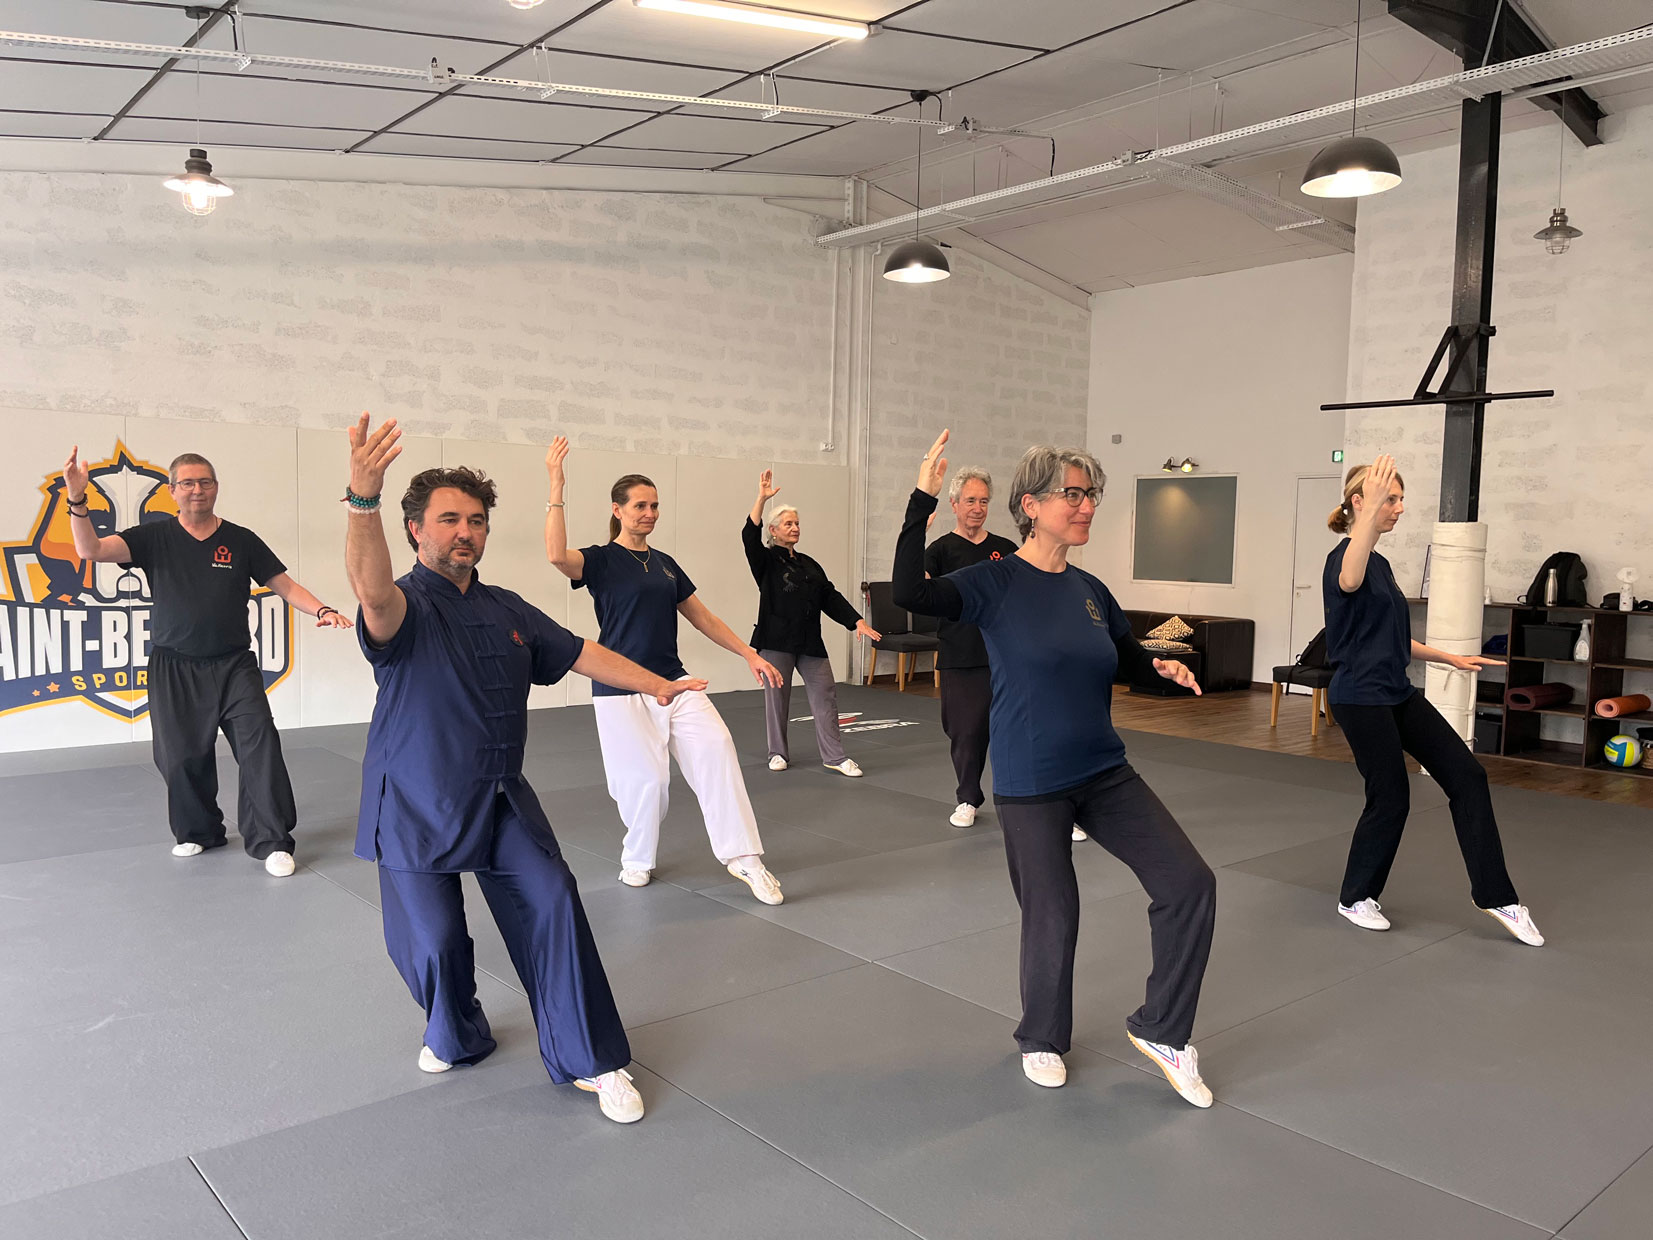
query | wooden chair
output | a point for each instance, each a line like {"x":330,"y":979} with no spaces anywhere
{"x":1313,"y":675}
{"x":899,"y":636}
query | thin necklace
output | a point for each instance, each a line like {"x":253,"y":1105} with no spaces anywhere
{"x":648,"y":554}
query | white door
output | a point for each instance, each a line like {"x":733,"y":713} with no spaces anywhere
{"x":1316,"y":497}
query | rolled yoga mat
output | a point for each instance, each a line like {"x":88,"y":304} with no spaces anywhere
{"x":1539,"y":697}
{"x":1612,"y":708}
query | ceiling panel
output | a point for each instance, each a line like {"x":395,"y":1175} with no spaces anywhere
{"x":1317,"y":12}
{"x":43,"y":87}
{"x":621,"y":29}
{"x":49,"y":125}
{"x":1048,"y":24}
{"x":909,"y":61}
{"x":713,"y":133}
{"x":1201,"y":229}
{"x":837,"y":152}
{"x":1578,"y":21}
{"x":238,"y":97}
{"x":1051,"y":84}
{"x":623,"y":74}
{"x":1102,"y":243}
{"x":1199,"y":35}
{"x":227,"y":133}
{"x":468,"y":116}
{"x":357,"y":44}
{"x":482,"y":19}
{"x":464,"y":148}
{"x":620,"y":157}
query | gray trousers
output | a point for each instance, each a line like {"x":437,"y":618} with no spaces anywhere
{"x":823,"y":703}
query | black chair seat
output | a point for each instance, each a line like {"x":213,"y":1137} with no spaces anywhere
{"x":1308,"y":677}
{"x":909,"y":642}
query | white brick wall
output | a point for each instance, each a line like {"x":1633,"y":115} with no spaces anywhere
{"x":1564,"y":474}
{"x":1000,"y":361}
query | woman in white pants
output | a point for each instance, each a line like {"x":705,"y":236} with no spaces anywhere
{"x":639,"y":592}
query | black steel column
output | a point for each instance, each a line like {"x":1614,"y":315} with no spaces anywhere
{"x":1471,"y":305}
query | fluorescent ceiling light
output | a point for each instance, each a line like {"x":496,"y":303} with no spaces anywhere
{"x":756,"y":15}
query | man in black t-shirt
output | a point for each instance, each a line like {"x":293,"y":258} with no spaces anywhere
{"x":202,"y":674}
{"x":966,"y":682}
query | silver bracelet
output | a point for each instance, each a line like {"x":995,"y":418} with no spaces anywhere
{"x":550,"y":504}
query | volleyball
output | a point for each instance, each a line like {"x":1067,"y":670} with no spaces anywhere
{"x":1623,"y":750}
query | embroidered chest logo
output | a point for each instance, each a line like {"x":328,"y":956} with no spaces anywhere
{"x":1095,"y":613}
{"x":995,"y":556}
{"x":670,"y":576}
{"x":516,"y":637}
{"x":221,"y":557}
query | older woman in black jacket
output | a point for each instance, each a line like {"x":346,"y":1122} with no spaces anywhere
{"x":793,"y":592}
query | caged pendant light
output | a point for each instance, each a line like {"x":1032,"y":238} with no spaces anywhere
{"x":1352,"y":167}
{"x":1558,"y":234}
{"x":918,"y":261}
{"x":196,"y":186}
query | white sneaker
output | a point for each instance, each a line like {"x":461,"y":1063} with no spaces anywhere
{"x":279,"y":864}
{"x":187,"y":850}
{"x":616,"y":1095}
{"x":776,"y":762}
{"x":1516,"y":919}
{"x":763,"y":884}
{"x":636,"y":878}
{"x":964,"y":815}
{"x":1045,"y":1068}
{"x":1181,"y":1068}
{"x":1079,"y":834}
{"x":428,"y":1062}
{"x":1367,"y":914}
{"x":846,"y":767}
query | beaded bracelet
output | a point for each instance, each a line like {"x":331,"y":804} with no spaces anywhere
{"x":361,"y":503}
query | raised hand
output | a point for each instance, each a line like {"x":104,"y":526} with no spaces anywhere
{"x":555,"y":455}
{"x":1170,"y":669}
{"x":934,"y":466}
{"x":1374,"y":488}
{"x":693,"y":684}
{"x":767,"y":490}
{"x":76,"y":476}
{"x":370,"y":454}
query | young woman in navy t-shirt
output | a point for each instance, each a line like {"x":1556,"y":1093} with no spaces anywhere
{"x":639,"y":592}
{"x":1369,"y":644}
{"x":1057,"y":641}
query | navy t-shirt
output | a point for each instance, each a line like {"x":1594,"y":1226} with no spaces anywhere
{"x":636,"y":596}
{"x":1050,"y":642}
{"x":200,"y":585}
{"x":1368,"y":635}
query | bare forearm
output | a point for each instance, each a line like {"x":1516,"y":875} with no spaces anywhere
{"x":721,"y":634}
{"x":757,"y":511}
{"x":297,"y":597}
{"x":1362,"y":538}
{"x":556,"y":526}
{"x":601,"y":664}
{"x":367,"y":560}
{"x":1428,"y":653}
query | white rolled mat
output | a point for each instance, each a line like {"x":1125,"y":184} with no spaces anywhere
{"x":1457,"y":593}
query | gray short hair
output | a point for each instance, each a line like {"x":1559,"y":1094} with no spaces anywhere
{"x":1042,"y":469}
{"x":970,"y":473}
{"x":774,"y":519}
{"x":188,"y":458}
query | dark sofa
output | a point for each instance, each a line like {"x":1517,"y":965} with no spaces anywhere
{"x":1222,"y":644}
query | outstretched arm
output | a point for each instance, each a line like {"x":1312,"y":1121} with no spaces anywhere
{"x":300,"y":599}
{"x":366,"y":554}
{"x":604,"y":666}
{"x":1463,"y":662}
{"x":88,"y":546}
{"x":909,"y":587}
{"x":702,"y":617}
{"x":568,"y":562}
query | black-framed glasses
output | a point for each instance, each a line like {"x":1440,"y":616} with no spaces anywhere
{"x":196,"y":484}
{"x":1076,"y":495}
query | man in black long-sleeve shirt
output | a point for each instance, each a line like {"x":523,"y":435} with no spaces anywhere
{"x":793,"y":593}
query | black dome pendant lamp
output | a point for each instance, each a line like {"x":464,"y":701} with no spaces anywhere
{"x":1352,"y":167}
{"x":918,"y":261}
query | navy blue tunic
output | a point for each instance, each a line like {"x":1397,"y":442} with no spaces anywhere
{"x":636,"y":607}
{"x":1368,"y":635}
{"x":450,"y":721}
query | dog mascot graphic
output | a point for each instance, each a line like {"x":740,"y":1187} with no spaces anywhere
{"x":72,"y":630}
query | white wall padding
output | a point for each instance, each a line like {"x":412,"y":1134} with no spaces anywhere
{"x":1457,"y":584}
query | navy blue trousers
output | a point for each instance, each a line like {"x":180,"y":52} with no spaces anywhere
{"x":538,"y":911}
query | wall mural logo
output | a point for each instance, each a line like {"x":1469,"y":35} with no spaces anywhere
{"x":71,"y":630}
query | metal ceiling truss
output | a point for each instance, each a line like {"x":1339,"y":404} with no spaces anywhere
{"x":1620,"y":54}
{"x":431,"y":74}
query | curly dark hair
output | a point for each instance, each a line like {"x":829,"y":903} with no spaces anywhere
{"x":472,"y":482}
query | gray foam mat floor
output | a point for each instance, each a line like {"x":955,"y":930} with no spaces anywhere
{"x":193,"y":1049}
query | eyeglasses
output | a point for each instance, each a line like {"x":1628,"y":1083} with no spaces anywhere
{"x":1076,"y":495}
{"x":193,"y":484}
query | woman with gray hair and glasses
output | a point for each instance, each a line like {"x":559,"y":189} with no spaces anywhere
{"x":1057,"y":641}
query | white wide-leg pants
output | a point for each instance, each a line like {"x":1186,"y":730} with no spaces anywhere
{"x":639,"y":738}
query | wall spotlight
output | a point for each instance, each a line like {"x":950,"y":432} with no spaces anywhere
{"x":1189,"y":465}
{"x":1170,"y":465}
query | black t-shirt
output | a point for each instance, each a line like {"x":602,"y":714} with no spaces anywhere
{"x":793,"y":592}
{"x":961,"y":644}
{"x":636,"y":597}
{"x":200,"y":586}
{"x":1368,"y":635}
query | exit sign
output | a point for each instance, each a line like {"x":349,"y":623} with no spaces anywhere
{"x":1337,"y":456}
